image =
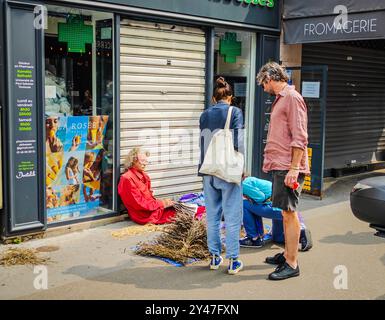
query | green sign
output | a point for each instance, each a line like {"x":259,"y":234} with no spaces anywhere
{"x":76,"y":34}
{"x":106,"y":33}
{"x":230,"y":48}
{"x":262,"y":3}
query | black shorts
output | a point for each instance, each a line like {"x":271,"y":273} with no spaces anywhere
{"x":284,"y":197}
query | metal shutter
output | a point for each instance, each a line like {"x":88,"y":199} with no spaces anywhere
{"x":162,"y":79}
{"x":355,"y":112}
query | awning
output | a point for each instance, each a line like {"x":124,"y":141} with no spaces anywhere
{"x":329,"y":20}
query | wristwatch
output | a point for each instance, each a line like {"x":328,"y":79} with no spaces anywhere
{"x":294,"y":168}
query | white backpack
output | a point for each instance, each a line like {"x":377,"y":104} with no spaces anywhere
{"x":221,"y":159}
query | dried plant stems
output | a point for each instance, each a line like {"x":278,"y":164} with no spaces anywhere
{"x":183,"y":239}
{"x":136,"y":230}
{"x":21,"y":256}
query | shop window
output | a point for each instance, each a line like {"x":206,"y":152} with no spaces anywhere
{"x":79,"y":113}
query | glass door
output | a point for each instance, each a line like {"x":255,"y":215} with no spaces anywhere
{"x":234,"y":59}
{"x":79,"y":113}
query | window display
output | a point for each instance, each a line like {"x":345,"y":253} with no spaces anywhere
{"x":79,"y":113}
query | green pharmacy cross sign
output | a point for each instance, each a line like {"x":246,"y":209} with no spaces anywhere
{"x":76,"y":34}
{"x":230,"y":48}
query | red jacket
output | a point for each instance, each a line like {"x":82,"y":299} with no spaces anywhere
{"x":135,"y":191}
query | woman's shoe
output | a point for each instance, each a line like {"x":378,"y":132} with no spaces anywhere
{"x":215,"y":262}
{"x":235,"y":266}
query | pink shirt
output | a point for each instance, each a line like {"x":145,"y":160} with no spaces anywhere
{"x":287,"y":129}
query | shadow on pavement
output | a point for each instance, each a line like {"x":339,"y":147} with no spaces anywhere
{"x":383,"y":260}
{"x":166,"y":277}
{"x":268,"y":246}
{"x":380,"y":297}
{"x":362,"y":238}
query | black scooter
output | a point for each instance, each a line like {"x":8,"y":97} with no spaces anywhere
{"x":367,"y":201}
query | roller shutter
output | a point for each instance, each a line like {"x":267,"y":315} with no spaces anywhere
{"x":162,"y":85}
{"x":355,"y":112}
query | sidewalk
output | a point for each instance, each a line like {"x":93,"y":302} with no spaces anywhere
{"x":91,"y":264}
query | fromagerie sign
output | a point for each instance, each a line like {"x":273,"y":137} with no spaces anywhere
{"x":347,"y":27}
{"x":339,"y":27}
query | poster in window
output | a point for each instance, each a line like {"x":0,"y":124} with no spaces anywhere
{"x":74,"y":189}
{"x":76,"y":133}
{"x":54,"y":165}
{"x":55,"y":130}
{"x":71,"y":171}
{"x":96,"y":131}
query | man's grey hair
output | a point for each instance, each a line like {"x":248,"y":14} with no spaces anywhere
{"x":272,"y":71}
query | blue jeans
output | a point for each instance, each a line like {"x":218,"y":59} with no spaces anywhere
{"x":252,"y":220}
{"x":223,"y":197}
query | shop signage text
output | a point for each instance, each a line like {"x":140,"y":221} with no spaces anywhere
{"x":350,"y":26}
{"x":262,"y":3}
{"x":24,"y":122}
{"x":343,"y":27}
{"x":248,"y":12}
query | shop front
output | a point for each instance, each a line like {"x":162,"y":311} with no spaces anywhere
{"x":348,"y":41}
{"x":86,"y":81}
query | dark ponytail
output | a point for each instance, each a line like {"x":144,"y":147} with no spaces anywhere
{"x":222,"y":90}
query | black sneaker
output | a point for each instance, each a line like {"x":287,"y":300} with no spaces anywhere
{"x":305,"y":240}
{"x":284,"y":272}
{"x":248,"y":242}
{"x":279,"y":259}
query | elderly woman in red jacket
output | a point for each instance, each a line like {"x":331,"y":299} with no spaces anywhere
{"x":135,"y":191}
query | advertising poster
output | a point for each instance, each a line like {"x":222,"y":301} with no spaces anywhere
{"x":74,"y":169}
{"x":54,"y":165}
{"x":55,"y":132}
{"x":55,"y":127}
{"x":96,"y":131}
{"x":71,"y":171}
{"x":76,"y":133}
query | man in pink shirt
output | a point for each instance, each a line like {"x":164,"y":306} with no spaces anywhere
{"x":286,"y":158}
